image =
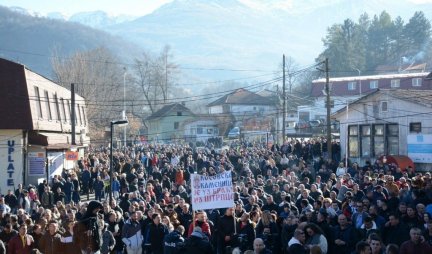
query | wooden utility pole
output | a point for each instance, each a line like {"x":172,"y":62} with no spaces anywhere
{"x":284,"y":101}
{"x":72,"y":116}
{"x":328,"y":106}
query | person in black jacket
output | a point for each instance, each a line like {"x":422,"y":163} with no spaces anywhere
{"x":174,"y":241}
{"x":157,"y":232}
{"x":198,"y":243}
{"x":226,"y":230}
{"x":245,"y":233}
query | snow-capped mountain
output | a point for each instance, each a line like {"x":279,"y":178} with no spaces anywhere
{"x":99,"y":19}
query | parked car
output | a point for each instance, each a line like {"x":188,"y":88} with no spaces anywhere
{"x":234,"y":133}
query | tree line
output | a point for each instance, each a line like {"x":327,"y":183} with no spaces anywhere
{"x":372,"y":42}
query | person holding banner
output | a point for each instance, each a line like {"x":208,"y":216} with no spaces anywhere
{"x":227,"y":229}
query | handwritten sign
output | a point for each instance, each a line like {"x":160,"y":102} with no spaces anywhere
{"x":210,"y":192}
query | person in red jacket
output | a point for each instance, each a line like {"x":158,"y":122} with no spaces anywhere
{"x":22,"y":243}
{"x":200,"y":218}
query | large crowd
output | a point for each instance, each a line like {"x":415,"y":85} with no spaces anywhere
{"x":294,"y":198}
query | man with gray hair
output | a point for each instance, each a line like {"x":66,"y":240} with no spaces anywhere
{"x":416,"y":244}
{"x":295,"y":245}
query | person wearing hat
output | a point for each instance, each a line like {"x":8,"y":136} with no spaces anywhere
{"x":88,"y":232}
{"x":198,"y":242}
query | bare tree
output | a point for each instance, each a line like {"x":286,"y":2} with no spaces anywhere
{"x":99,"y":79}
{"x":154,"y":77}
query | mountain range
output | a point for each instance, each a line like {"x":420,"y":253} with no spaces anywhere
{"x":226,"y":34}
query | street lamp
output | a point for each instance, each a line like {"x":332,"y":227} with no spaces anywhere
{"x":124,"y":104}
{"x":123,"y":122}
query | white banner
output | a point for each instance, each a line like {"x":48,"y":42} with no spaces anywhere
{"x":210,"y":192}
{"x":420,"y":148}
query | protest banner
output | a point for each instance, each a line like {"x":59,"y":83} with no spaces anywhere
{"x":210,"y":192}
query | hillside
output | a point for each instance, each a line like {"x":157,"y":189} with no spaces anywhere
{"x":32,"y":40}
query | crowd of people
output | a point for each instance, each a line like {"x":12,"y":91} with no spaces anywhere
{"x":291,"y":199}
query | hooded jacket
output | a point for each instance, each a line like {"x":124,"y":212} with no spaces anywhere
{"x":88,"y":232}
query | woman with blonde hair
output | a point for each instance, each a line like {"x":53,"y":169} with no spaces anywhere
{"x":167,"y":222}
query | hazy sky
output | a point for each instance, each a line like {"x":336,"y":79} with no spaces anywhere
{"x":140,"y":7}
{"x":115,"y":7}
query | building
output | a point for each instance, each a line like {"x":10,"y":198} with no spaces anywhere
{"x":35,"y":131}
{"x":388,"y":122}
{"x":248,"y":109}
{"x":201,"y":129}
{"x":347,"y":89}
{"x":166,"y":124}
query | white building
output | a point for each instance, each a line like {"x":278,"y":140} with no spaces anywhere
{"x":388,"y":122}
{"x":35,"y":131}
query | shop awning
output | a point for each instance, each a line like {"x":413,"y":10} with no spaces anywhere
{"x":400,"y":161}
{"x":56,"y":140}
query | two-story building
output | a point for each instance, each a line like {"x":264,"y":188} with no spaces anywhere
{"x":348,"y":89}
{"x":35,"y":130}
{"x":166,"y":124}
{"x":388,"y":122}
{"x":249,"y":110}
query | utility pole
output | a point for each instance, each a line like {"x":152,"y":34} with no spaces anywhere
{"x":328,"y":106}
{"x":73,"y":113}
{"x":124,"y":106}
{"x":284,"y":100}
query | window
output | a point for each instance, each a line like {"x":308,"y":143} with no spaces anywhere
{"x":47,"y":105}
{"x":84,"y":116}
{"x":79,"y":114}
{"x":378,"y":145}
{"x":416,"y":82}
{"x":351,"y":85}
{"x":69,"y":113}
{"x":176,"y":125}
{"x":415,"y":127}
{"x":38,"y":102}
{"x":365,"y":140}
{"x":56,"y":108}
{"x":384,"y":106}
{"x":373,"y":84}
{"x":353,"y":141}
{"x":63,"y":109}
{"x":179,"y":113}
{"x":199,"y":130}
{"x":392,"y":139}
{"x":395,"y":83}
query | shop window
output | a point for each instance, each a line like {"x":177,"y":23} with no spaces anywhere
{"x":392,"y":139}
{"x":365,"y":140}
{"x":378,"y":146}
{"x":353,"y":141}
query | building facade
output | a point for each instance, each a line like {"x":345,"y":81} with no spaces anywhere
{"x":35,"y":132}
{"x":388,"y":122}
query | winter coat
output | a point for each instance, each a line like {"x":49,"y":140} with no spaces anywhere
{"x":157,"y":234}
{"x":16,"y":246}
{"x":131,"y":234}
{"x":199,"y":245}
{"x":173,"y":242}
{"x":108,"y":242}
{"x":51,"y":244}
